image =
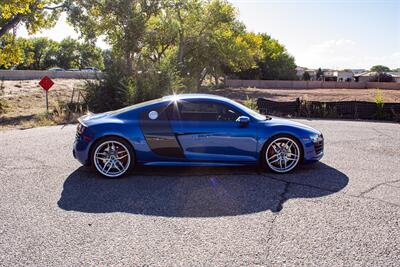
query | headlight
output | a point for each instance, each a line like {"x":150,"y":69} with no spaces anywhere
{"x":314,"y":138}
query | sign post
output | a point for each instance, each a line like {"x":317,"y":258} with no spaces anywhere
{"x":46,"y":83}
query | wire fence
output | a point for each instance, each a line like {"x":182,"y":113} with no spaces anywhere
{"x":342,"y":109}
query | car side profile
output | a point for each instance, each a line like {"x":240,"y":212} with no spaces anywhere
{"x":193,"y":130}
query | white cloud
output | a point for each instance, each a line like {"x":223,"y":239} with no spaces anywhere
{"x":334,"y":44}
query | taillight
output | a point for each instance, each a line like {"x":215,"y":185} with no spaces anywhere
{"x":80,"y":129}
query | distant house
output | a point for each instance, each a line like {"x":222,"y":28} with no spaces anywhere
{"x":357,"y":71}
{"x":301,"y":70}
{"x":338,"y":75}
{"x":344,"y":76}
{"x":395,"y":75}
{"x":370,"y":75}
{"x":330,"y":76}
{"x":365,"y":76}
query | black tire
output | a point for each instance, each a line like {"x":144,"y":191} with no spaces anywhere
{"x":263,"y":162}
{"x":119,"y":143}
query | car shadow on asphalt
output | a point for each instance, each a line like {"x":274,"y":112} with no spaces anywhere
{"x":197,"y":191}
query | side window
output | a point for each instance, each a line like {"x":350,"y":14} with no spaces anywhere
{"x":206,"y":111}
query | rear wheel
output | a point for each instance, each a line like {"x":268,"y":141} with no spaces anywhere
{"x":282,"y":154}
{"x":113,"y":157}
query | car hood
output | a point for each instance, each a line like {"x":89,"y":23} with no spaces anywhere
{"x":276,"y":121}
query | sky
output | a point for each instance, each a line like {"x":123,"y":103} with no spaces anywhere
{"x":335,"y":34}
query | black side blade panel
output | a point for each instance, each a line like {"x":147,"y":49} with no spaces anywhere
{"x":159,"y":135}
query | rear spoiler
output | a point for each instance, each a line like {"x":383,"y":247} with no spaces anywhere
{"x":81,"y":120}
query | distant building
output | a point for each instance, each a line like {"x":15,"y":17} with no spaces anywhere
{"x":338,"y":75}
{"x":365,"y":76}
{"x":357,"y":71}
{"x":330,"y":75}
{"x":395,"y":75}
{"x":344,"y":76}
{"x":301,"y":70}
{"x":370,"y":75}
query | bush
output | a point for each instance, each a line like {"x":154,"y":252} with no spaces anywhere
{"x":251,"y":103}
{"x":118,"y":90}
{"x":3,"y":104}
{"x":156,"y":82}
{"x":379,"y":104}
{"x":113,"y":92}
{"x":306,"y":76}
{"x":383,"y":77}
{"x":67,"y":112}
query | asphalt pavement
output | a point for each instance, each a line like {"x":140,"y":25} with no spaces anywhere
{"x":343,"y":211}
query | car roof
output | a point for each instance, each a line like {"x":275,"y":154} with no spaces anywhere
{"x":194,"y":96}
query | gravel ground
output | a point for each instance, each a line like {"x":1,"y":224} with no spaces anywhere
{"x":327,"y":95}
{"x":343,"y":211}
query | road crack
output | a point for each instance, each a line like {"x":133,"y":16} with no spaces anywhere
{"x":283,"y":198}
{"x":378,"y":185}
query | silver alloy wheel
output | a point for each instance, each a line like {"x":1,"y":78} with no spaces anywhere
{"x":112,"y":158}
{"x":282,"y":154}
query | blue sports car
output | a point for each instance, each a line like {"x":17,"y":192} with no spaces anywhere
{"x":192,"y":130}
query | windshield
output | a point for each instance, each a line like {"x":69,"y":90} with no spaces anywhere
{"x":249,"y":111}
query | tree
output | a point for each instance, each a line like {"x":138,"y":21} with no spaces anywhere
{"x":276,"y":63}
{"x":191,"y":39}
{"x":210,"y":39}
{"x":320,"y":74}
{"x":11,"y":51}
{"x":382,"y":77}
{"x":273,"y":62}
{"x":160,"y":36}
{"x":39,"y":53}
{"x":34,"y":14}
{"x":306,"y":76}
{"x":121,"y":22}
{"x":90,"y":56}
{"x":380,"y":68}
{"x":68,"y":55}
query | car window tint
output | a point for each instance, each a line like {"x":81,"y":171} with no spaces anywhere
{"x":207,"y":111}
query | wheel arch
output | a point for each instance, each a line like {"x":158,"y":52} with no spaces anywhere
{"x":100,"y":138}
{"x":275,"y":135}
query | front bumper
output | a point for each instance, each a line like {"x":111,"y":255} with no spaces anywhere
{"x":314,"y":149}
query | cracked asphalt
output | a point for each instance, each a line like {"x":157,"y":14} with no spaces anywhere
{"x":343,"y":211}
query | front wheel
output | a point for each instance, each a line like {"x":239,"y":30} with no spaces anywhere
{"x":112,"y":157}
{"x":282,"y":154}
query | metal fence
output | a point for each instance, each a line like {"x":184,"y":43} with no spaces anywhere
{"x":38,"y":74}
{"x":342,"y":109}
{"x":274,"y":84}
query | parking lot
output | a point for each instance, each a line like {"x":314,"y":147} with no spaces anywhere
{"x":344,"y":210}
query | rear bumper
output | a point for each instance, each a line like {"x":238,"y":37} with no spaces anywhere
{"x":80,"y":151}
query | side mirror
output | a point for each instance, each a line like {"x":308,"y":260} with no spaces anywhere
{"x":243,"y":121}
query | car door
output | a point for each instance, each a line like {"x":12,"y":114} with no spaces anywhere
{"x":208,"y":131}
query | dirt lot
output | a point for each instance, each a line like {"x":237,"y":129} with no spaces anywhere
{"x":310,"y":94}
{"x":26,"y":100}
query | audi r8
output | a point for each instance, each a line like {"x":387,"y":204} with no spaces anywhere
{"x":193,"y":130}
